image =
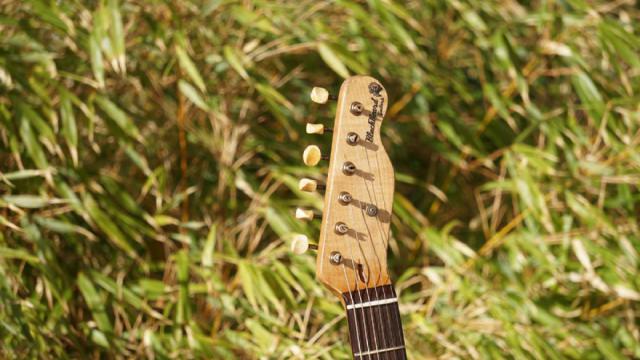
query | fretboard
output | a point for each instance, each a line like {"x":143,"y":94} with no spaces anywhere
{"x":375,"y":329}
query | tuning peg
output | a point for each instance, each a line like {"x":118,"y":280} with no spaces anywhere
{"x":321,"y":95}
{"x":309,"y":185}
{"x":300,"y":244}
{"x":312,"y":156}
{"x":317,"y":129}
{"x":303,"y":214}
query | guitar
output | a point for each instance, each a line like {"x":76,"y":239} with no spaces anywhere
{"x":352,"y":249}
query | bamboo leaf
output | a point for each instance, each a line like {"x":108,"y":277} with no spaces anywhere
{"x":233,"y":59}
{"x":33,"y":146}
{"x":107,"y":225}
{"x":117,"y":37}
{"x":8,"y":253}
{"x":26,"y":201}
{"x":95,"y":303}
{"x":97,"y":63}
{"x":183,"y":313}
{"x":589,"y":95}
{"x":119,"y":117}
{"x":69,"y":127}
{"x":331,"y":59}
{"x":187,"y":65}
{"x":192,"y":94}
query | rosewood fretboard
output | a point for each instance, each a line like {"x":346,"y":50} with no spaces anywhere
{"x":375,"y":329}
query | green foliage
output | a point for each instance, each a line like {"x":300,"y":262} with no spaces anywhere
{"x":149,"y":152}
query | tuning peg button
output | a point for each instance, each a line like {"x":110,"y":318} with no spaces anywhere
{"x":321,"y":95}
{"x":312,"y":156}
{"x":309,"y":185}
{"x":300,"y":244}
{"x":303,"y":214}
{"x":317,"y":129}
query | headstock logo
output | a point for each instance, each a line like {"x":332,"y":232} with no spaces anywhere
{"x":378,"y":105}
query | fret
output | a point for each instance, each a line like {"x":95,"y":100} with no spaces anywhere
{"x":374,"y":323}
{"x":372,"y":303}
{"x":378,"y":351}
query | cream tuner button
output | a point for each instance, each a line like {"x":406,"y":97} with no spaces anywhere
{"x":319,"y":95}
{"x":311,"y":155}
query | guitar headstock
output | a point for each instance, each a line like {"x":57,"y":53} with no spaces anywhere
{"x":352,"y":249}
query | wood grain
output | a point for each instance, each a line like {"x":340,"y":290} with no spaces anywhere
{"x":364,"y":247}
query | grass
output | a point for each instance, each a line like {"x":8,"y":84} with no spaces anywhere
{"x":149,"y":153}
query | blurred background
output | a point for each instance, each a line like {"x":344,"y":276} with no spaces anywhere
{"x":150,"y":152}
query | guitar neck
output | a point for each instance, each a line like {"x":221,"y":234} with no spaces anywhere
{"x":375,"y":329}
{"x":358,"y":203}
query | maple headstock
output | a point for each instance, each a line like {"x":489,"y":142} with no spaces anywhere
{"x":352,"y":248}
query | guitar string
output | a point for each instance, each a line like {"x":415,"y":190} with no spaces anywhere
{"x":396,"y":310}
{"x":366,"y":287}
{"x":325,"y":232}
{"x":355,"y":309}
{"x":384,"y":237}
{"x":344,"y":271}
{"x":375,"y":287}
{"x":381,"y":230}
{"x":385,"y":240}
{"x":377,"y":281}
{"x":359,"y":293}
{"x":398,"y":318}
